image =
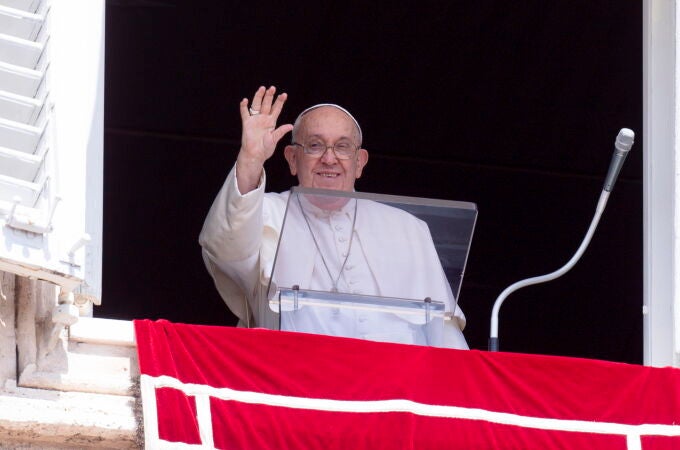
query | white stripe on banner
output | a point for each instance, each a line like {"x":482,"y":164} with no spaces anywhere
{"x":632,"y":432}
{"x":150,"y":410}
{"x":204,"y":419}
{"x":633,"y":442}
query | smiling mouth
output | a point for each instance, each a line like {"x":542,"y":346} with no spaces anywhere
{"x":328,"y":174}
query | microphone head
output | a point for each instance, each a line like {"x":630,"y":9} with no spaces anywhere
{"x":624,"y":140}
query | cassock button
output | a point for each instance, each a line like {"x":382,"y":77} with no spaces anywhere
{"x":338,"y":227}
{"x":342,"y":239}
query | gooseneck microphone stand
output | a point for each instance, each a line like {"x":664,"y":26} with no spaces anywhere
{"x":623,"y":144}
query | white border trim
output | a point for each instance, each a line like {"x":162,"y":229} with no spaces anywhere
{"x":150,"y":411}
{"x":149,"y":384}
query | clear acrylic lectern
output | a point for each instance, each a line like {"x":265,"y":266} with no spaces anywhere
{"x":369,"y":266}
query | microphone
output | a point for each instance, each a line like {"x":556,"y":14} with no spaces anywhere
{"x":623,"y":144}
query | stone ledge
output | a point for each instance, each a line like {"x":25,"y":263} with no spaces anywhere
{"x":99,"y":357}
{"x":37,"y":418}
{"x":103,"y":331}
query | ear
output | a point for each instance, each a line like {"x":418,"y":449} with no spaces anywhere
{"x":362,"y":160}
{"x":291,"y":156}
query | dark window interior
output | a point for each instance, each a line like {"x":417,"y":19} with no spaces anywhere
{"x":511,"y":105}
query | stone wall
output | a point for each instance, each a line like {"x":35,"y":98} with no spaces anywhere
{"x":63,"y":387}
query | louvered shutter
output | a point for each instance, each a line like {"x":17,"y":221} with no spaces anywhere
{"x":51,"y":140}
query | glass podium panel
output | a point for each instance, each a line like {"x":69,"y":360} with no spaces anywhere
{"x":370,"y":266}
{"x":382,"y":319}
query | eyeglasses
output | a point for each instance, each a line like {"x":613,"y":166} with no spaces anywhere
{"x":316,"y":149}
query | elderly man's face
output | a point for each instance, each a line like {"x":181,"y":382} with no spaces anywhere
{"x":329,"y":125}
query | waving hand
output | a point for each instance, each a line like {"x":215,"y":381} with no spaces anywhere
{"x":259,"y":135}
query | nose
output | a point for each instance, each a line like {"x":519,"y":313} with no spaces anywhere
{"x":328,"y":156}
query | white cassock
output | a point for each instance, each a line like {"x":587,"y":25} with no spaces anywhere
{"x":391,"y":255}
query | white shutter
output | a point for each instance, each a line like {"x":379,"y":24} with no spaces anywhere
{"x":51,"y":140}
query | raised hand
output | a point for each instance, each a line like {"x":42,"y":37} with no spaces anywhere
{"x":259,"y":135}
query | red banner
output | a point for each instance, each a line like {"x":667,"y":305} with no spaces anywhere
{"x":233,"y":388}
